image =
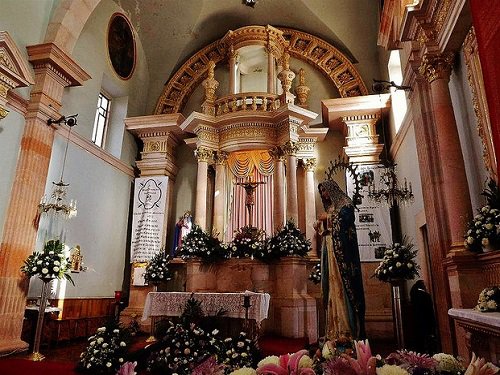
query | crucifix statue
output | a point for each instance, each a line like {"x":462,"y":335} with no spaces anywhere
{"x":250,"y":187}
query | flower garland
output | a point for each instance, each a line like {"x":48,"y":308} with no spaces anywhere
{"x":398,"y":263}
{"x":157,"y":269}
{"x":489,"y":299}
{"x":288,"y":241}
{"x":50,"y":264}
{"x":105,"y":352}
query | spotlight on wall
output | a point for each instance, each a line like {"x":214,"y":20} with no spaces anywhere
{"x":250,"y":3}
{"x":379,"y":86}
{"x":68,"y":120}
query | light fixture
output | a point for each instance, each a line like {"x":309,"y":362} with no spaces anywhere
{"x":390,"y":192}
{"x":250,"y":3}
{"x":379,"y":86}
{"x":57,"y":202}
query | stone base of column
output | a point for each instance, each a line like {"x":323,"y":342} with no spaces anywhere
{"x":11,"y":346}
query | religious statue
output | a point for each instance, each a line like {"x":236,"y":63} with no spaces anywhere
{"x":341,"y":279}
{"x":182,"y":228}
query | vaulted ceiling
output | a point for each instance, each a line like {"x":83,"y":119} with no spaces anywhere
{"x":172,"y":30}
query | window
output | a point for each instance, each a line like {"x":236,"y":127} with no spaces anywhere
{"x":398,"y":96}
{"x":101,"y":120}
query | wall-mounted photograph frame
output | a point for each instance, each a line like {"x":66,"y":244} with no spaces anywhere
{"x":121,"y":46}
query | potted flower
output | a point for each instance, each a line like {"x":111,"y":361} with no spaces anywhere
{"x":483,"y":233}
{"x":157,"y":269}
{"x":248,"y":242}
{"x":288,"y":241}
{"x":398,"y":263}
{"x":199,"y":244}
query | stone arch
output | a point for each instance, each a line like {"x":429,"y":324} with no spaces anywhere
{"x":67,"y":23}
{"x":306,"y":47}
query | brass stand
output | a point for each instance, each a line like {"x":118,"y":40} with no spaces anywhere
{"x":396,"y":309}
{"x":151,"y":337}
{"x":36,"y":356}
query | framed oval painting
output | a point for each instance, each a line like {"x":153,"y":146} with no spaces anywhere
{"x":121,"y":46}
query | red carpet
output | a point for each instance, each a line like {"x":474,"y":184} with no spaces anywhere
{"x":19,"y":366}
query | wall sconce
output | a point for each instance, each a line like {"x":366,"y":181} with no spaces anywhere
{"x":379,"y":86}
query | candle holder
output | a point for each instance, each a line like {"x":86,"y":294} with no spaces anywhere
{"x":246,"y":305}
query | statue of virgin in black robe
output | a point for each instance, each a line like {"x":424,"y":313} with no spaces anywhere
{"x":341,"y":279}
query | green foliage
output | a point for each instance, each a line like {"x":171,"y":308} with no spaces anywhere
{"x":157,"y":269}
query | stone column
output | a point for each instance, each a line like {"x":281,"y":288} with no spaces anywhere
{"x":292,"y":210}
{"x":220,"y":193}
{"x":437,"y":69}
{"x":279,"y":187}
{"x":271,"y":73}
{"x":310,"y":202}
{"x":204,"y":155}
{"x":233,"y":58}
{"x":54,"y":70}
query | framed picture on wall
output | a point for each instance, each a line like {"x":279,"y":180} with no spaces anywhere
{"x":121,"y":46}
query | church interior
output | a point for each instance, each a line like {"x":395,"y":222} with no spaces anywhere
{"x":259,"y":162}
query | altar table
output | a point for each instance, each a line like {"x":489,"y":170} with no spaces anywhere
{"x":173,"y":303}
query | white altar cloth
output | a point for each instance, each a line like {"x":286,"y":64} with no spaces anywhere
{"x":491,"y":319}
{"x":172,"y":304}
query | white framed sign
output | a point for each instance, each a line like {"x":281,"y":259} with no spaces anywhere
{"x":373,"y":222}
{"x":150,"y":197}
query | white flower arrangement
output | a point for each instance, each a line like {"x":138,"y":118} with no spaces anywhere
{"x":484,"y":229}
{"x":157,"y":269}
{"x":238,"y":352}
{"x":489,"y":299}
{"x":315,"y":275}
{"x":105,"y":352}
{"x":51,"y":263}
{"x":248,"y":242}
{"x":446,"y":363}
{"x":288,"y":241}
{"x":398,"y":263}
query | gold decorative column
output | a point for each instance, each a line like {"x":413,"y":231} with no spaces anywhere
{"x":220,"y":192}
{"x":204,"y":155}
{"x":437,"y":69}
{"x":292,"y":210}
{"x":279,"y":186}
{"x":286,"y":77}
{"x":210,"y":84}
{"x":310,"y":202}
{"x":302,"y":90}
{"x":54,"y":70}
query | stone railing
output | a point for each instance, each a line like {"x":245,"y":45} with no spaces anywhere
{"x":248,"y":101}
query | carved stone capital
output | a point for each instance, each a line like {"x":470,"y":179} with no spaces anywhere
{"x":203,"y":154}
{"x":310,"y":164}
{"x":220,"y":157}
{"x":3,"y":112}
{"x":436,"y":66}
{"x":277,"y":153}
{"x":290,"y":148}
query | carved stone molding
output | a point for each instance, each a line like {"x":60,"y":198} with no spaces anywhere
{"x":479,"y":102}
{"x":276,"y":153}
{"x":203,"y":154}
{"x":306,"y":47}
{"x":436,"y":66}
{"x":14,"y":71}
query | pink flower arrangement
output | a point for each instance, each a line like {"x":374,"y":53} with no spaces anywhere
{"x":288,"y":365}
